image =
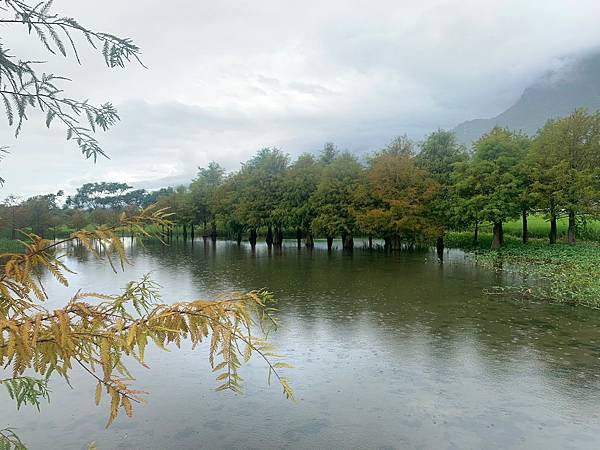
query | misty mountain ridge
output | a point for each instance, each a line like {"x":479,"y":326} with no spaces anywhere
{"x":556,"y":94}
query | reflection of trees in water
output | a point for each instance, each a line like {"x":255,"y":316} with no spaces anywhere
{"x":400,"y":296}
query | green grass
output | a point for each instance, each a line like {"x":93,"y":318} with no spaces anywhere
{"x":10,"y":246}
{"x":563,"y":273}
{"x":539,"y":227}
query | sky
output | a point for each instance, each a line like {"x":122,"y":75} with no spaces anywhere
{"x":227,"y":78}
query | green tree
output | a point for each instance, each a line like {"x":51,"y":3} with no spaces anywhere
{"x":564,"y":163}
{"x":24,"y":87}
{"x":439,"y":156}
{"x":299,"y":185}
{"x":103,"y":195}
{"x":11,"y":214}
{"x":181,"y":206}
{"x":328,"y":153}
{"x":203,"y":190}
{"x":489,"y":182}
{"x":262,"y":192}
{"x":39,"y":211}
{"x":400,"y":145}
{"x":229,"y":208}
{"x":526,"y":198}
{"x":333,"y":200}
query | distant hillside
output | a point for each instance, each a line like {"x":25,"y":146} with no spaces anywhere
{"x":554,"y":95}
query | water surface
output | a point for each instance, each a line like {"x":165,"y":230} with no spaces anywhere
{"x":391,"y":352}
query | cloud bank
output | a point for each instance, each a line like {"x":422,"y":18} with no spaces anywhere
{"x":228,"y":78}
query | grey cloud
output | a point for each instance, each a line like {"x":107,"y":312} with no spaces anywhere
{"x":227,"y":78}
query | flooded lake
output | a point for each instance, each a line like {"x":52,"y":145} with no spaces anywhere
{"x":390,"y":352}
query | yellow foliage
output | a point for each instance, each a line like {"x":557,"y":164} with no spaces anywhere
{"x":99,"y":331}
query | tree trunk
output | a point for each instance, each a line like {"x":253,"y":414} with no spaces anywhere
{"x":192,"y":234}
{"x":269,"y":238}
{"x":370,"y":242}
{"x":299,"y":237}
{"x":572,"y":228}
{"x":396,"y":244}
{"x":553,"y":229}
{"x":238,"y":238}
{"x":309,"y":241}
{"x":253,"y":237}
{"x":348,"y":242}
{"x":213,"y":232}
{"x":525,"y":227}
{"x":13,"y":231}
{"x":329,"y":243}
{"x":387,"y":244}
{"x":278,"y":237}
{"x":439,"y":246}
{"x":498,"y":238}
{"x":185,"y":232}
{"x":476,"y":233}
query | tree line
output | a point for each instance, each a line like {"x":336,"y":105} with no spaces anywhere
{"x":55,"y":214}
{"x":407,"y":194}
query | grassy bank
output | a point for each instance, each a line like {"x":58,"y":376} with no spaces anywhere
{"x":566,"y":274}
{"x":539,"y":228}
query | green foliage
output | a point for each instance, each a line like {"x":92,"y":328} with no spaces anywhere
{"x":24,"y":88}
{"x":10,"y":246}
{"x":561,"y":273}
{"x":263,"y":177}
{"x":106,"y":195}
{"x":464,"y":240}
{"x":333,"y":197}
{"x":564,"y":162}
{"x":27,"y":390}
{"x":299,"y":185}
{"x":203,"y":192}
{"x":439,"y":156}
{"x":10,"y":441}
{"x":489,"y":182}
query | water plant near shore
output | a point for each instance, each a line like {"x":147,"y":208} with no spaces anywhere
{"x":560,"y":273}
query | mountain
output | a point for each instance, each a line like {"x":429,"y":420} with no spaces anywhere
{"x":554,"y":95}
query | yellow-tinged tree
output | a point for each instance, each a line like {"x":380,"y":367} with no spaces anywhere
{"x":402,"y":192}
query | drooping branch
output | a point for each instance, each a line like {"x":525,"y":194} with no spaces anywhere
{"x":22,"y":88}
{"x":99,"y":331}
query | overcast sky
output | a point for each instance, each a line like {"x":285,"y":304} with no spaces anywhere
{"x":226,"y":78}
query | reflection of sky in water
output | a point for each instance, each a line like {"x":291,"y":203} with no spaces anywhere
{"x":390,"y":352}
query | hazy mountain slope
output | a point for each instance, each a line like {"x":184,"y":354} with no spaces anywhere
{"x":553,"y":96}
